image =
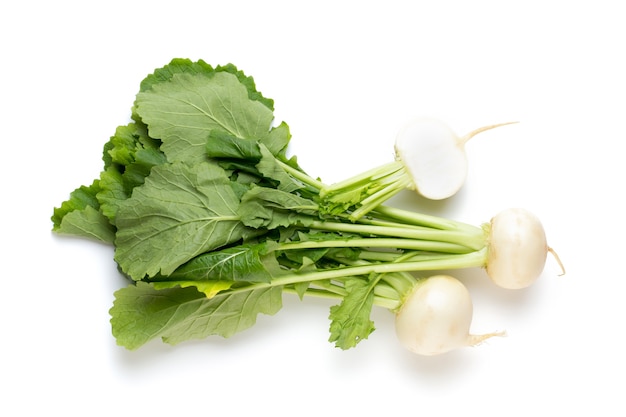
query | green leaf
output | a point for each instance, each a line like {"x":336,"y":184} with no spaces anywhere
{"x":120,"y":150}
{"x":183,"y":65}
{"x":128,"y":158}
{"x":80,"y":216}
{"x":350,"y":320}
{"x":176,"y":66}
{"x":301,"y":288}
{"x":248,"y":262}
{"x":347,"y":252}
{"x":88,"y":223}
{"x":141,"y":313}
{"x":225,"y":145}
{"x":114,"y":190}
{"x":209,"y":288}
{"x":183,"y":112}
{"x":271,"y":208}
{"x":118,"y":184}
{"x":179,"y":212}
{"x":269,"y":167}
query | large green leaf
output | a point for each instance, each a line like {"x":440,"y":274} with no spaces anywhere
{"x":184,"y":65}
{"x":186,"y":108}
{"x":141,"y":313}
{"x":175,"y":66}
{"x":179,"y":212}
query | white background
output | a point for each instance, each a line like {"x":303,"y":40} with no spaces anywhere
{"x":345,"y":76}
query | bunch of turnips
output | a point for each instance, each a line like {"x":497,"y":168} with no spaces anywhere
{"x":211,"y":222}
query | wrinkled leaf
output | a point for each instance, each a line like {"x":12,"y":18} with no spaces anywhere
{"x":350,"y":320}
{"x":179,"y":212}
{"x":269,"y":167}
{"x":272,"y":208}
{"x":80,"y":216}
{"x":249,"y":263}
{"x":225,"y":145}
{"x":209,"y":288}
{"x":141,"y":313}
{"x":128,"y":156}
{"x":183,"y":112}
{"x":184,"y":65}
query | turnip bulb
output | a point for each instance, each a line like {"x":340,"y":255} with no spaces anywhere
{"x":517,"y":249}
{"x":435,"y":317}
{"x":429,"y":159}
{"x":435,"y":156}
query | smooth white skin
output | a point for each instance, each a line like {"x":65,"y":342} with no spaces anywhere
{"x":434,"y":157}
{"x":517,"y":249}
{"x":436,"y":317}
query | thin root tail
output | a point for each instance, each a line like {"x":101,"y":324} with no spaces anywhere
{"x":476,"y":339}
{"x":558,"y":260}
{"x":473,"y":133}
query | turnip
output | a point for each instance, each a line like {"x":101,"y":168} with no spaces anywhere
{"x":512,"y":247}
{"x":213,"y":223}
{"x":434,"y":156}
{"x":517,"y":249}
{"x":436,"y":316}
{"x":429,"y":159}
{"x":433,"y":315}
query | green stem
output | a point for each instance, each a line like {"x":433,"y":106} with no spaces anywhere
{"x":363,"y":179}
{"x":472,"y":241}
{"x":396,"y":285}
{"x":380,"y":256}
{"x":378,"y":243}
{"x":301,"y":176}
{"x":381,"y":289}
{"x":364,"y":192}
{"x":469,"y":260}
{"x":420,"y":219}
{"x":393,"y":187}
{"x":312,"y":292}
{"x":385,"y":290}
{"x":392,"y":178}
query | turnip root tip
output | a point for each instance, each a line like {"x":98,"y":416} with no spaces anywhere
{"x":465,"y":138}
{"x":557,"y":259}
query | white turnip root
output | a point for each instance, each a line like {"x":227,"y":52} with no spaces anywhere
{"x":512,"y":247}
{"x":436,"y":316}
{"x":517,"y":249}
{"x":429,"y":159}
{"x":435,"y":156}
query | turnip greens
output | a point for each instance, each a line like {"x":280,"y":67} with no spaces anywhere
{"x":212,"y":222}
